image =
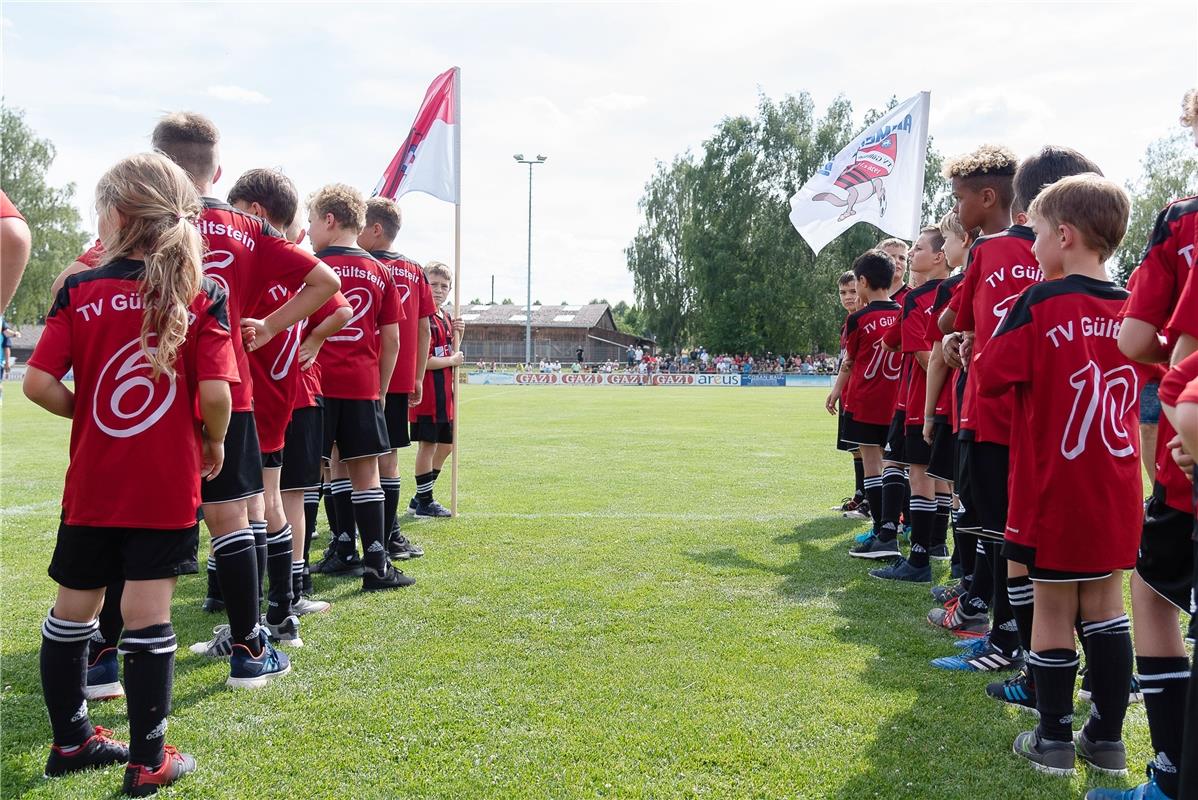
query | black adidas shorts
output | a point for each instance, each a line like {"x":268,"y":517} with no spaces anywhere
{"x":942,"y":456}
{"x":917,"y":451}
{"x":968,"y":520}
{"x":989,"y":464}
{"x":302,"y":448}
{"x":88,"y":557}
{"x":841,"y":444}
{"x":396,"y":413}
{"x":896,"y":439}
{"x":424,"y":429}
{"x":863,"y":433}
{"x":1166,"y":559}
{"x":356,"y":426}
{"x":241,"y":475}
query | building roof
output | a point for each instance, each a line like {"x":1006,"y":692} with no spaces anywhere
{"x":581,"y":316}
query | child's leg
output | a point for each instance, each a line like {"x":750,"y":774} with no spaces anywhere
{"x":256,"y":509}
{"x":346,"y":534}
{"x":389,"y":478}
{"x":330,"y":508}
{"x":1164,"y":675}
{"x":425,"y":454}
{"x":149,"y":649}
{"x":858,"y":475}
{"x":1107,"y":632}
{"x":894,"y":495}
{"x":65,"y":635}
{"x":279,"y":546}
{"x":1020,"y":596}
{"x":871,"y":461}
{"x":1054,"y":659}
{"x":944,"y":503}
{"x":923,"y":515}
{"x":367,"y":499}
{"x":235,"y":553}
{"x":295,"y":508}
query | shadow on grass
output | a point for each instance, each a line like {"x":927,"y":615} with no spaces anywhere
{"x":945,"y":738}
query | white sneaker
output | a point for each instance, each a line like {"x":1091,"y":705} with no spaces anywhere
{"x":306,"y":605}
{"x":219,"y":646}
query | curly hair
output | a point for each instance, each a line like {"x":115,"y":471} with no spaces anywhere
{"x":988,"y":159}
{"x":1189,"y":108}
{"x":344,"y":202}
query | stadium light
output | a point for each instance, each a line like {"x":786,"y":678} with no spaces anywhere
{"x":540,"y":159}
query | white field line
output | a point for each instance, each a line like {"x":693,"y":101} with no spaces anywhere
{"x":628,"y":515}
{"x":32,"y":508}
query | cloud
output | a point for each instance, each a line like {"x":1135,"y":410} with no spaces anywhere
{"x":237,"y":94}
{"x":615,"y":101}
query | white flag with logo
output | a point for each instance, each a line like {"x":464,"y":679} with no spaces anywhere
{"x":877,"y":178}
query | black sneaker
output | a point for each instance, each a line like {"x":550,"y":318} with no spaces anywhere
{"x":939,"y":552}
{"x":942,"y":594}
{"x":335,"y":564}
{"x":413,"y":503}
{"x":875,"y":548}
{"x":902,"y":570}
{"x":411,"y":548}
{"x":212,"y":605}
{"x":396,"y":551}
{"x":1018,"y":691}
{"x":1108,"y":757}
{"x":1053,"y":758}
{"x":390,"y":578}
{"x":97,"y":752}
{"x":431,"y":509}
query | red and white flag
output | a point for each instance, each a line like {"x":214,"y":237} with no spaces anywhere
{"x":430,"y":158}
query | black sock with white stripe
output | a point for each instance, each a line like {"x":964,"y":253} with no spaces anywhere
{"x":1055,"y":672}
{"x":63,"y":662}
{"x":923,"y":519}
{"x":873,"y":494}
{"x":110,"y":621}
{"x":237,"y":563}
{"x":213,"y":580}
{"x":436,"y":474}
{"x":858,"y":477}
{"x":149,"y":675}
{"x":311,"y":509}
{"x":1004,"y":632}
{"x":424,"y":487}
{"x":390,"y":508}
{"x":258,"y":526}
{"x":944,"y":505}
{"x":346,"y":533}
{"x":967,"y":546}
{"x":330,"y":508}
{"x":894,"y":493}
{"x":1019,"y":596}
{"x":297,"y":579}
{"x":981,"y":585}
{"x":1164,"y":682}
{"x":278,"y":567}
{"x":368,"y":512}
{"x":1108,"y":657}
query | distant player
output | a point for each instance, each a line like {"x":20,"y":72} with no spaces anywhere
{"x":1074,"y":413}
{"x":432,"y":419}
{"x":854,"y":507}
{"x":148,"y":338}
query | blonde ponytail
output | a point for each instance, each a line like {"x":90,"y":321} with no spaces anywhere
{"x":159,"y":207}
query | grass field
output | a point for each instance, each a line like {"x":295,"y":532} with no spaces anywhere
{"x":645,"y":596}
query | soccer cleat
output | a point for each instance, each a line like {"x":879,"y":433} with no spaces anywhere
{"x":849,"y":503}
{"x":285,"y":632}
{"x":411,"y":548}
{"x":1017,"y":690}
{"x":990,"y":659}
{"x":1108,"y":757}
{"x":943,"y":594}
{"x":103,"y":678}
{"x":431,"y":509}
{"x":874,"y":548}
{"x":971,"y":648}
{"x":389,"y":578}
{"x":307,"y":605}
{"x":958,"y":622}
{"x":939,"y":552}
{"x":902,"y":570}
{"x":336,"y":564}
{"x":212,"y":605}
{"x":856,"y":513}
{"x":249,"y":671}
{"x":141,"y":781}
{"x":396,"y":551}
{"x":1145,"y":791}
{"x":413,"y":503}
{"x":98,"y":752}
{"x":1134,"y":695}
{"x":1053,"y":758}
{"x":219,"y":646}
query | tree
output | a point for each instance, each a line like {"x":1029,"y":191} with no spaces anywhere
{"x":507,"y":301}
{"x":1168,"y":171}
{"x":475,"y":302}
{"x":54,"y":224}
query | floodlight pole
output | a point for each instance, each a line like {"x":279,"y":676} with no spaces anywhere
{"x":528,"y":305}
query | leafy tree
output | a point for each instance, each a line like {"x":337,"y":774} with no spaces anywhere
{"x":1168,"y":171}
{"x":54,"y":223}
{"x":474,"y":302}
{"x":507,"y":301}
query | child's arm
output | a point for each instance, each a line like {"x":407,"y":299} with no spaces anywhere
{"x":442,"y":362}
{"x":842,"y":380}
{"x":937,"y":374}
{"x":1141,"y":341}
{"x":216,"y":405}
{"x":388,"y":350}
{"x":320,"y":284}
{"x":48,"y":392}
{"x":310,"y":347}
{"x":424,"y":335}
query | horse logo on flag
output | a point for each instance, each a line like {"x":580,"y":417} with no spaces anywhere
{"x":865,"y":177}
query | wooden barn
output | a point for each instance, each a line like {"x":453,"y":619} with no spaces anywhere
{"x":496,"y":333}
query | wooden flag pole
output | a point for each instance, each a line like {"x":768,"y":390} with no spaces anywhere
{"x":457,"y":285}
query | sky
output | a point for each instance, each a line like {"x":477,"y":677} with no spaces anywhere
{"x":328,"y":93}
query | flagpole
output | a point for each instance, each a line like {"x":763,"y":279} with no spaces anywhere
{"x":457,"y":280}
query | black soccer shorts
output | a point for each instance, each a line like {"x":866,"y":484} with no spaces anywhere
{"x":424,"y":429}
{"x":241,"y":475}
{"x":942,"y":456}
{"x":1166,"y":559}
{"x":89,"y":557}
{"x":896,"y":439}
{"x":918,"y":452}
{"x":989,"y":466}
{"x":302,"y":448}
{"x":396,"y":414}
{"x":356,"y":426}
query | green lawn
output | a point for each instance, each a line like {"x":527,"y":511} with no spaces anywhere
{"x":645,"y":596}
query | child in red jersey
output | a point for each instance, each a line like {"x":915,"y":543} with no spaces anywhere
{"x":149,"y":341}
{"x":1075,"y":411}
{"x":854,"y":507}
{"x":929,"y":268}
{"x":873,"y":381}
{"x":432,"y":419}
{"x":356,"y":366}
{"x":407,"y":381}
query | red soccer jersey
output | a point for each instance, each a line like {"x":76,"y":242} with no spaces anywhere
{"x":1075,"y":471}
{"x":916,"y":310}
{"x":308,"y":387}
{"x":417,"y":300}
{"x":349,"y":360}
{"x":274,"y":372}
{"x":874,"y":382}
{"x":946,"y":404}
{"x":1000,"y":267}
{"x":136,"y":450}
{"x":7,"y":209}
{"x":893,"y":341}
{"x":436,"y":399}
{"x":93,"y":255}
{"x":1162,"y":274}
{"x":1178,"y":378}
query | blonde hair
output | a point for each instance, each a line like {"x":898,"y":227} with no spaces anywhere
{"x":344,"y":202}
{"x":1098,"y":208}
{"x":1189,"y":108}
{"x":951,"y":223}
{"x":437,"y":268}
{"x":160,"y":208}
{"x":892,"y":242}
{"x":988,"y":159}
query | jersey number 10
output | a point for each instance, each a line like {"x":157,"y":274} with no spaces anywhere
{"x":1105,"y":397}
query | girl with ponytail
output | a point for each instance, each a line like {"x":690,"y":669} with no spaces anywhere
{"x":147,"y":337}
